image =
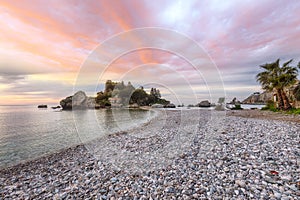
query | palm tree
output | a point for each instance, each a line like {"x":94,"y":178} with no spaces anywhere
{"x":276,"y":77}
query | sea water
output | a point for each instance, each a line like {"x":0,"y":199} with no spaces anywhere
{"x":27,"y":132}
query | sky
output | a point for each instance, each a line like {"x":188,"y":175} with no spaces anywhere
{"x":191,"y":50}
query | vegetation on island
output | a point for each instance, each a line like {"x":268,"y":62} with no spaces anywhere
{"x":120,"y":94}
{"x":276,"y":78}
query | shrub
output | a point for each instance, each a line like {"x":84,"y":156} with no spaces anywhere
{"x":237,"y":107}
{"x":270,"y":106}
{"x":295,"y":111}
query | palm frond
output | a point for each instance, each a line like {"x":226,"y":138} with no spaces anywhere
{"x":275,"y":76}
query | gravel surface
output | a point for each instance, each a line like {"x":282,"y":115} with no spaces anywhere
{"x":179,"y":155}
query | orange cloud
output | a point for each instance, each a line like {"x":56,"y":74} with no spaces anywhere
{"x":48,"y":41}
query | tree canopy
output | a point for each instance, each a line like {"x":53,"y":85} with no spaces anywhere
{"x":128,"y":94}
{"x":276,"y":78}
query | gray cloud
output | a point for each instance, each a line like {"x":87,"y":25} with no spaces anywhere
{"x":35,"y":89}
{"x":10,"y":79}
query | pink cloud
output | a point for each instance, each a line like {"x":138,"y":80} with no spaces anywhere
{"x":57,"y":36}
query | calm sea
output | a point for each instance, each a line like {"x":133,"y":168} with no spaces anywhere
{"x":27,"y":132}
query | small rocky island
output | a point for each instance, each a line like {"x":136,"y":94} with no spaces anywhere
{"x":115,"y":94}
{"x":42,"y":106}
{"x":79,"y":101}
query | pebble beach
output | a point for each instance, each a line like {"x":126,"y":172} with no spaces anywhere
{"x":188,"y":154}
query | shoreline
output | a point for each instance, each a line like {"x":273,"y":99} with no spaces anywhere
{"x":246,"y":159}
{"x":45,"y":155}
{"x":255,"y":114}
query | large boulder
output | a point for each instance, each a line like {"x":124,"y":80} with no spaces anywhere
{"x":205,"y":103}
{"x":78,"y":101}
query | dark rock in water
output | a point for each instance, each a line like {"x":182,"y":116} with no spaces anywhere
{"x":204,"y":104}
{"x":55,"y":107}
{"x":170,"y":105}
{"x":42,"y":106}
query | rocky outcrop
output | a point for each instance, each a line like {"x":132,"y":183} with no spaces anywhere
{"x":205,"y":103}
{"x":259,"y":98}
{"x":78,"y":101}
{"x":66,"y":103}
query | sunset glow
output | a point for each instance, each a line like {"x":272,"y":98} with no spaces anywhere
{"x":44,"y":44}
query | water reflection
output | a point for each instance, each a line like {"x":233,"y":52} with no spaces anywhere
{"x":27,"y":132}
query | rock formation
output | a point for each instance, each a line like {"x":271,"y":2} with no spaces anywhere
{"x":78,"y":101}
{"x":91,"y":103}
{"x":259,"y":98}
{"x":205,"y":103}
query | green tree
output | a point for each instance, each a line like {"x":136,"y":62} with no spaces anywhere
{"x":102,"y":98}
{"x":128,"y":94}
{"x":140,"y":97}
{"x":155,"y":93}
{"x":109,"y":86}
{"x":276,"y":77}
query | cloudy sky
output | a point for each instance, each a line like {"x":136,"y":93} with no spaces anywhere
{"x":192,"y":50}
